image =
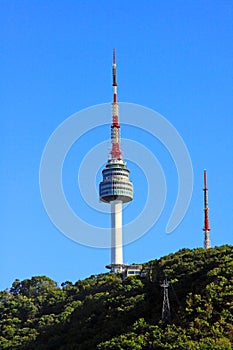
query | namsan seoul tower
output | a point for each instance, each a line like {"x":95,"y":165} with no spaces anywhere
{"x":116,"y":187}
{"x":206,"y":227}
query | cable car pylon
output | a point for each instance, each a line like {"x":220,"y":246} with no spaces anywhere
{"x":166,"y":311}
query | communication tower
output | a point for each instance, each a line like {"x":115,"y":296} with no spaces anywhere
{"x":116,"y":187}
{"x":206,"y":227}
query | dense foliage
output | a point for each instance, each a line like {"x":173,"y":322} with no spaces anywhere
{"x":105,"y":312}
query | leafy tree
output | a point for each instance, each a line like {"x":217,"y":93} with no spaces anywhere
{"x":106,"y":312}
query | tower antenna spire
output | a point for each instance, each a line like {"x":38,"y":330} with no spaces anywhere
{"x":206,"y":227}
{"x":114,"y":68}
{"x":115,"y":127}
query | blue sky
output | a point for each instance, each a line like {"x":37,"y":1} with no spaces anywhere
{"x":174,"y":57}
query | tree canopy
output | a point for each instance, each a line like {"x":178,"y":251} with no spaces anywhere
{"x":106,"y":312}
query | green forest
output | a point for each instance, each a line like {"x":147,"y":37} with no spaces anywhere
{"x":107,"y":312}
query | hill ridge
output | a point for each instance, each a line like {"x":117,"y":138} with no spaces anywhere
{"x":106,"y":312}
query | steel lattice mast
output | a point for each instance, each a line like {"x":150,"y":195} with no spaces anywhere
{"x":166,"y":312}
{"x":206,"y":227}
{"x":116,"y":187}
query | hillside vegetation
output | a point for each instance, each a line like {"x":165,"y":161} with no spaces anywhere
{"x":104,"y":312}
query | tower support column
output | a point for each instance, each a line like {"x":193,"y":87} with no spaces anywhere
{"x":116,"y":236}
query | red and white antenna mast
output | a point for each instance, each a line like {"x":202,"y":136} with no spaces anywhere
{"x":206,"y":228}
{"x":115,"y":127}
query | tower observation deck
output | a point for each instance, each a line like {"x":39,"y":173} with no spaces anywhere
{"x":116,"y":187}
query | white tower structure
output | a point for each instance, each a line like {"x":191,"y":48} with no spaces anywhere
{"x":116,"y":187}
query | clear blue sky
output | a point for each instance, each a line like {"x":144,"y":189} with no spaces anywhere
{"x":175,"y":57}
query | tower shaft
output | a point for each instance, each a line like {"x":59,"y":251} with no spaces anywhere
{"x":206,"y":227}
{"x":116,"y":236}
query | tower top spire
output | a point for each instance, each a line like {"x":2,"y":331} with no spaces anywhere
{"x":115,"y":132}
{"x":114,"y":56}
{"x":205,"y":181}
{"x":114,"y":82}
